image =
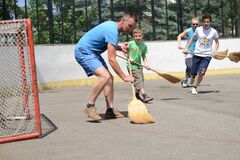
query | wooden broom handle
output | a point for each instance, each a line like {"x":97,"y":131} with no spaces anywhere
{"x":136,"y":63}
{"x":131,"y":62}
{"x":130,"y":71}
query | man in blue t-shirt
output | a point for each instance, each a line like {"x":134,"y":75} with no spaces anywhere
{"x":88,"y":54}
{"x":188,"y":81}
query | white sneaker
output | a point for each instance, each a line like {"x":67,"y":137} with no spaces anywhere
{"x":194,"y":91}
{"x":184,"y":85}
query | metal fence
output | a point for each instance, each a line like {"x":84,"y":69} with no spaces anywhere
{"x":65,"y":21}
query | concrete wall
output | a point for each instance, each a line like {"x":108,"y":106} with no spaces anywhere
{"x":56,"y":63}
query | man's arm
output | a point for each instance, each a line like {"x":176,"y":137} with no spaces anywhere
{"x":115,"y":66}
{"x":124,"y":48}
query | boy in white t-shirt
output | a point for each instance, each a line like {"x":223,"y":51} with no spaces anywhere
{"x":203,"y":50}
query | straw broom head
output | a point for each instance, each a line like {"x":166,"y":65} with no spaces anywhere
{"x":234,"y":56}
{"x":167,"y":76}
{"x":221,"y":54}
{"x":138,"y":113}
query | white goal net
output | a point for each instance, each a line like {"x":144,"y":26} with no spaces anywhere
{"x":19,"y":107}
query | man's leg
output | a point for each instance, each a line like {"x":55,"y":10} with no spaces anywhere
{"x":112,"y":111}
{"x":108,"y":93}
{"x":103,"y":77}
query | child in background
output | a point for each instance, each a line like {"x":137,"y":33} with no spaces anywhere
{"x":203,"y":50}
{"x":137,"y":52}
{"x":188,"y":81}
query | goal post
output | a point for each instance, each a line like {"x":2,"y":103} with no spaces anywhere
{"x":19,"y":104}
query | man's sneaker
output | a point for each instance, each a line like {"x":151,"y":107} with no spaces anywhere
{"x":194,"y":91}
{"x":113,"y":113}
{"x":147,"y":99}
{"x":184,"y":84}
{"x":118,"y":114}
{"x":92,"y":113}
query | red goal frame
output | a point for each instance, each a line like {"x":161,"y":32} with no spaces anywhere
{"x":34,"y":89}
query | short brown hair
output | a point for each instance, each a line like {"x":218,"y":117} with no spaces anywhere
{"x":206,"y":16}
{"x":131,"y":15}
{"x":137,"y":30}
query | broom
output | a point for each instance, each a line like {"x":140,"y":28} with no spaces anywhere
{"x":166,"y":76}
{"x":137,"y":111}
{"x":220,"y":55}
{"x":233,"y":56}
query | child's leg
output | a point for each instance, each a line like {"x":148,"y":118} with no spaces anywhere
{"x":202,"y":69}
{"x":145,"y":97}
{"x":138,"y":84}
{"x":189,"y":78}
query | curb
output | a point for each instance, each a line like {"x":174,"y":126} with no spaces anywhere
{"x":151,"y":76}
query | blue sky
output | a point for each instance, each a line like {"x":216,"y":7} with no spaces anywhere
{"x":21,"y":3}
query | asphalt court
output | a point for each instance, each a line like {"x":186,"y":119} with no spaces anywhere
{"x":188,"y":127}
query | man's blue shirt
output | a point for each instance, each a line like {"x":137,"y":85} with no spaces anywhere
{"x":97,"y":39}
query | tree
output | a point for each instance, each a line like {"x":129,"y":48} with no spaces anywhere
{"x":9,"y":10}
{"x":65,"y":21}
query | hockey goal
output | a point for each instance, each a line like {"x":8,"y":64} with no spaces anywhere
{"x":19,"y":105}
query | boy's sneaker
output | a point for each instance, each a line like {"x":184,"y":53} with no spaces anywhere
{"x":194,"y":90}
{"x":113,"y":113}
{"x":147,"y":99}
{"x":184,"y":84}
{"x":92,"y":113}
{"x":138,"y":96}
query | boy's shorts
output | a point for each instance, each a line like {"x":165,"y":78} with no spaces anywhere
{"x":139,"y":78}
{"x":89,"y":61}
{"x":200,"y":65}
{"x":188,"y":63}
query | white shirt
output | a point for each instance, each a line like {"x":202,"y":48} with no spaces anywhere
{"x":204,"y":42}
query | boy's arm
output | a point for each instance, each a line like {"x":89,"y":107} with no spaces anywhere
{"x":179,"y":38}
{"x":145,"y":62}
{"x":216,"y":46}
{"x":185,"y":51}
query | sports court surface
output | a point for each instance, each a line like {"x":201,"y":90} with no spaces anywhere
{"x":188,"y":127}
